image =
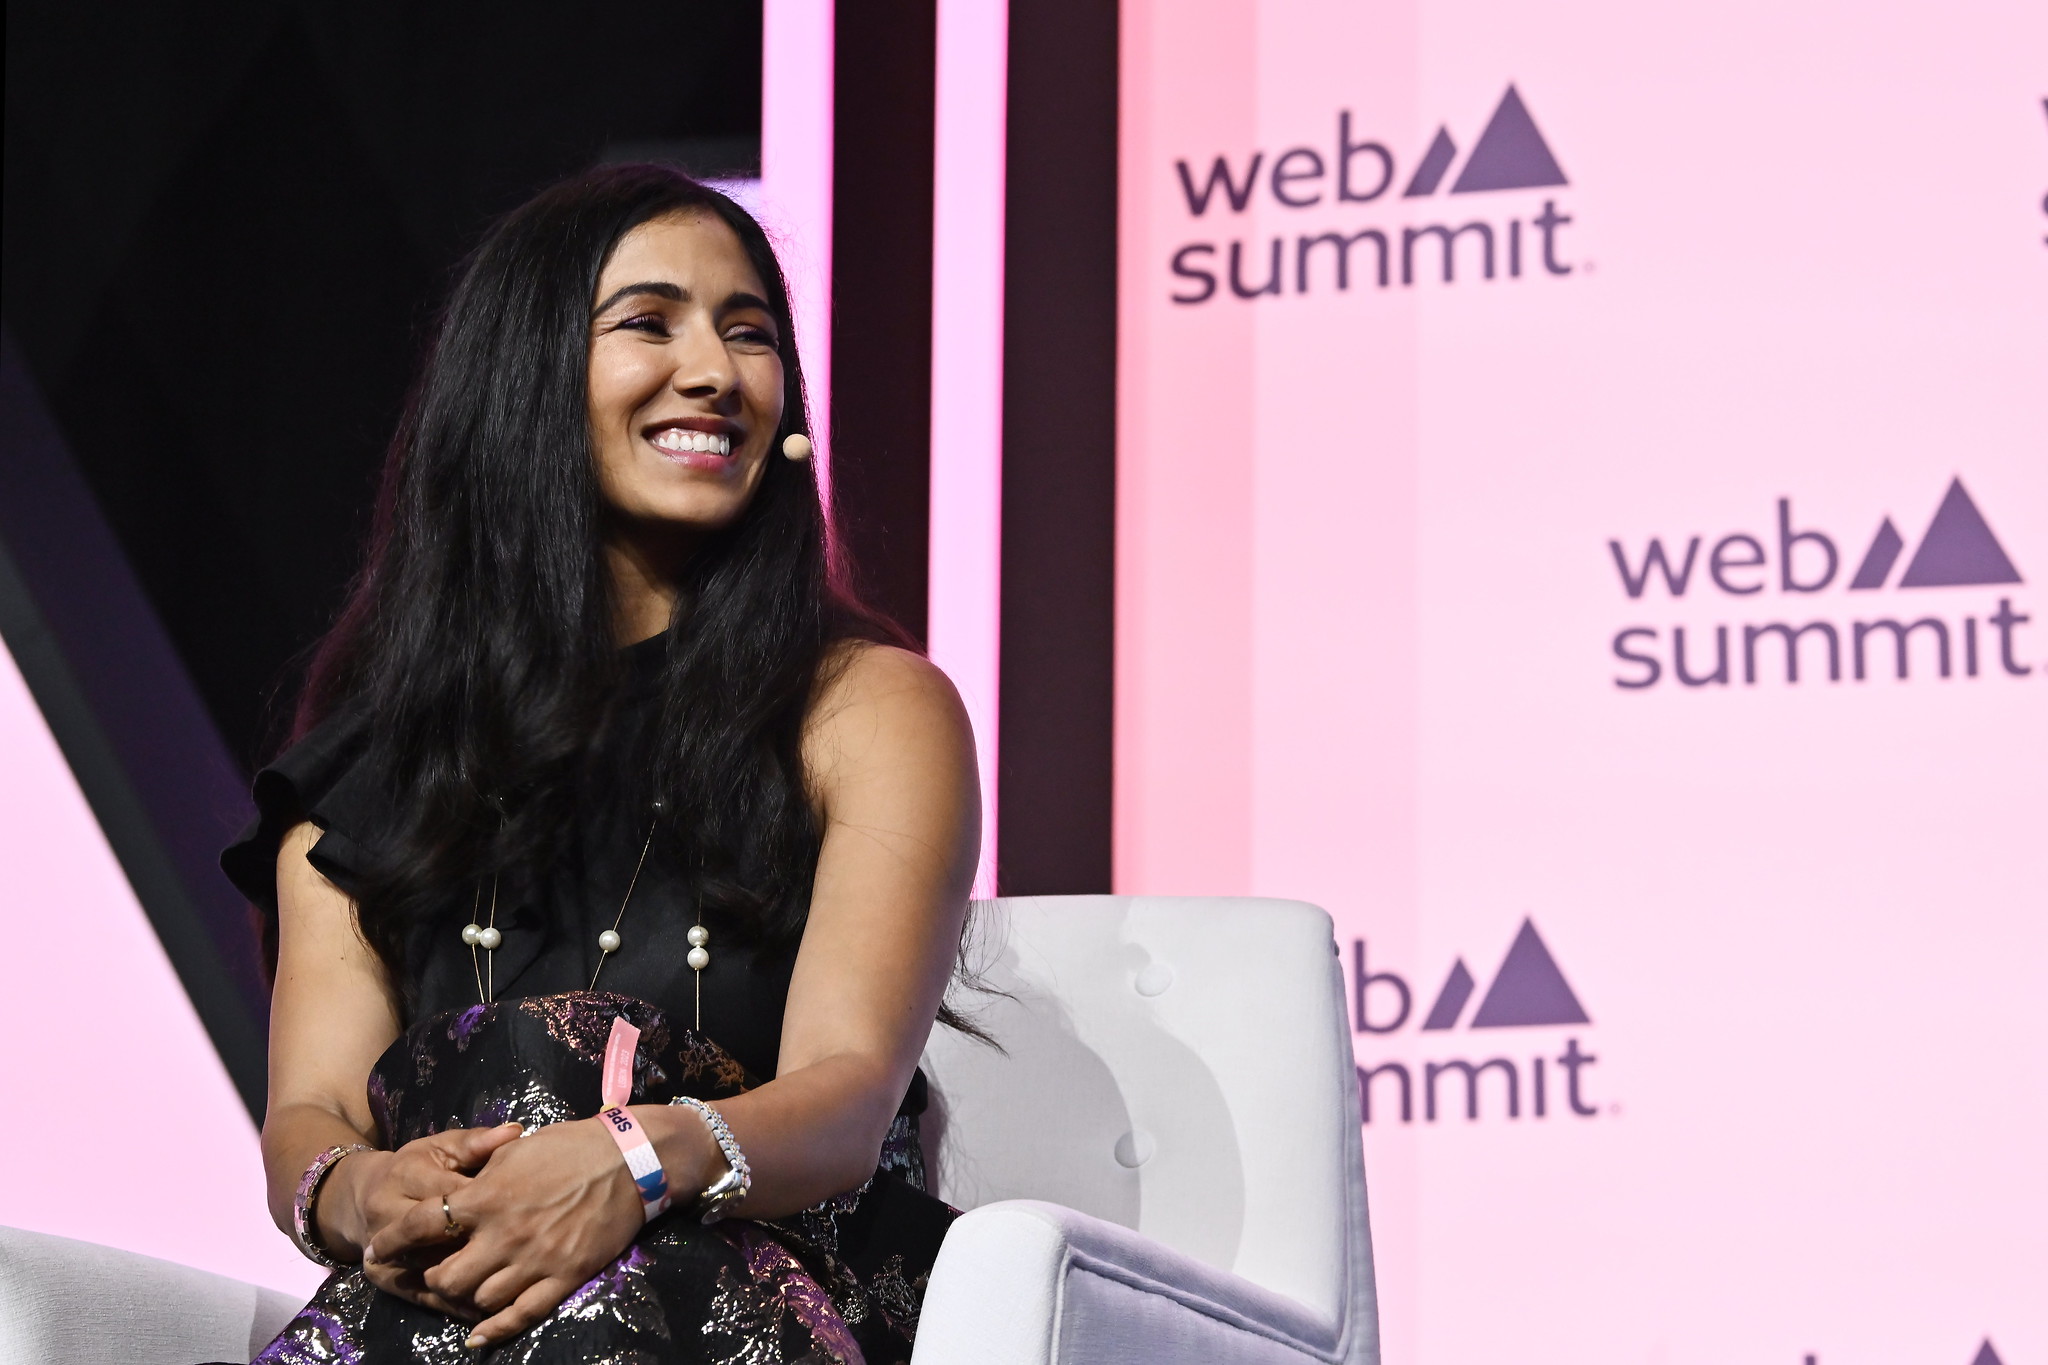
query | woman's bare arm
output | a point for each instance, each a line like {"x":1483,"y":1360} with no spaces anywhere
{"x":891,"y":756}
{"x":332,"y":1013}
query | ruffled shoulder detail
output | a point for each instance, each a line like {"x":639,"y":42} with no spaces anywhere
{"x":320,"y":778}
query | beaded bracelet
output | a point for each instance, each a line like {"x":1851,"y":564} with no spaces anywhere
{"x":304,"y":1233}
{"x":731,"y":1187}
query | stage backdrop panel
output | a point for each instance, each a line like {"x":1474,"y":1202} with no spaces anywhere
{"x":123,"y":1127}
{"x":1583,"y":514}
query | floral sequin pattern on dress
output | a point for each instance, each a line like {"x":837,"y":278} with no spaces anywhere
{"x":775,"y":1298}
{"x":839,"y":1284}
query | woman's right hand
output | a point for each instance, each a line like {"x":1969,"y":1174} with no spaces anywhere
{"x":370,"y":1192}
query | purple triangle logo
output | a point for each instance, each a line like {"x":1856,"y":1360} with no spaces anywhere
{"x":1878,"y":559}
{"x":1986,"y":1356}
{"x":1511,"y":154}
{"x":1529,"y":989}
{"x":1450,"y":1001}
{"x":1430,"y":173}
{"x":1958,"y":549}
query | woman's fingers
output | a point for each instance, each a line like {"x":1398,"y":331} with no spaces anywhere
{"x":422,"y":1232}
{"x":400,"y":1240}
{"x":424,"y":1163}
{"x":430,"y":1161}
{"x":462,"y":1273}
{"x":470,"y":1148}
{"x":536,"y":1302}
{"x":502,"y":1289}
{"x":409,"y":1284}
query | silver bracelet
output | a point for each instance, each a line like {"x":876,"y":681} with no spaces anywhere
{"x":731,"y":1187}
{"x":305,"y":1229}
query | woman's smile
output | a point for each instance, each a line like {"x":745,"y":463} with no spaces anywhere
{"x":685,"y":384}
{"x":704,"y":443}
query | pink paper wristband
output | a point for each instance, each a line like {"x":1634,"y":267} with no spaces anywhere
{"x":641,"y":1160}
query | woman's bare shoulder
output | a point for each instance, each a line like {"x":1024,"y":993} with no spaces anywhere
{"x":857,"y":668}
{"x":877,"y":703}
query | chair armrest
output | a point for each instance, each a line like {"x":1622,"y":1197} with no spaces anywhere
{"x":93,"y":1305}
{"x":1026,"y":1283}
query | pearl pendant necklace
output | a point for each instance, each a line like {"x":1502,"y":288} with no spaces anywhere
{"x":608,"y":942}
{"x":488,"y":936}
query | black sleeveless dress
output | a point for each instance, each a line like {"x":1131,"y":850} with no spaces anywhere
{"x":839,"y":1283}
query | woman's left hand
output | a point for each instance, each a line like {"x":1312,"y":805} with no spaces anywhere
{"x":545,"y":1214}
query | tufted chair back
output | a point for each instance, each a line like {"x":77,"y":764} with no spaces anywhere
{"x":1180,"y":1066}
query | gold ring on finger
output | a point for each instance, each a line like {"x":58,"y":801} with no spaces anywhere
{"x":448,"y":1223}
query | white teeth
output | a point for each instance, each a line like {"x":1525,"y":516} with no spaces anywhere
{"x":678,"y":440}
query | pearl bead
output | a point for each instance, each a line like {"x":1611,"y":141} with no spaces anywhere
{"x":489,"y":939}
{"x":698,"y":936}
{"x":609,"y":940}
{"x":470,"y":932}
{"x":796,"y":446}
{"x":698,"y":959}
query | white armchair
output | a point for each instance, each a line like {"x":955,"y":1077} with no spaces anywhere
{"x":1164,"y":1165}
{"x":69,"y":1301}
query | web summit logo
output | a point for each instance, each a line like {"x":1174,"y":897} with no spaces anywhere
{"x":1958,"y":550}
{"x":1509,"y":155}
{"x":1529,"y":991}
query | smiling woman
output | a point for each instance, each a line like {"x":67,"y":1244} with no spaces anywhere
{"x":599,"y":708}
{"x":685,"y":388}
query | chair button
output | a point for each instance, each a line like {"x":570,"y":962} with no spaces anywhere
{"x":1153,"y":979}
{"x":1135,"y":1148}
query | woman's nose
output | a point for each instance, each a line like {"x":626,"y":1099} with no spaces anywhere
{"x":703,"y":368}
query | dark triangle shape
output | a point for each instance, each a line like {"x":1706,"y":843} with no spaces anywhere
{"x":1450,"y":1001}
{"x":1528,"y":989}
{"x":1435,"y":162}
{"x":1511,"y":154}
{"x":1878,"y":559}
{"x":1985,"y":1355}
{"x":1958,"y":549}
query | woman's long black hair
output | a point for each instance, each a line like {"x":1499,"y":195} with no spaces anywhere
{"x":479,"y":639}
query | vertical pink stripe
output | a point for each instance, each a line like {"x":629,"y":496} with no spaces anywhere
{"x":796,"y":186}
{"x":967,"y":374}
{"x":1186,"y":437}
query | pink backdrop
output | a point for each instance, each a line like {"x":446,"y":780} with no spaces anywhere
{"x":1772,"y":1034}
{"x":107,"y":1070}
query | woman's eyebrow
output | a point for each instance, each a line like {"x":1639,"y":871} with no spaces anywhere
{"x":659,"y":288}
{"x":737,"y":301}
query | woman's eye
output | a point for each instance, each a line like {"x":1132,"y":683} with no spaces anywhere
{"x":752,"y":336}
{"x":647,"y":322}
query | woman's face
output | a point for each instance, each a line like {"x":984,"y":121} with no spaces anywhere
{"x":685,"y":379}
